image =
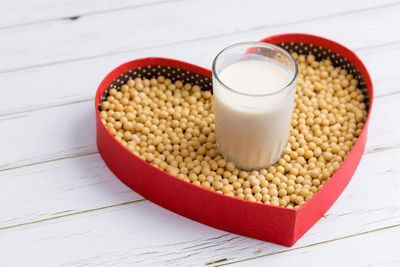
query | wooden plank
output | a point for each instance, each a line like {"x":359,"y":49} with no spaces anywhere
{"x":59,"y":188}
{"x":384,"y":130}
{"x":47,"y":134}
{"x":128,"y":30}
{"x":379,"y":61}
{"x":144,"y":234}
{"x":26,"y":12}
{"x":69,"y":130}
{"x":376,"y":248}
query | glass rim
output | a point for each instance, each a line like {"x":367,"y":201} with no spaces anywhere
{"x":262,"y":44}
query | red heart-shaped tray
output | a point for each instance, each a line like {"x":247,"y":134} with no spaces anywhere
{"x":270,"y":223}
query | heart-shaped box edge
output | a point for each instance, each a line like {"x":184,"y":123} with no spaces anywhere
{"x":274,"y":224}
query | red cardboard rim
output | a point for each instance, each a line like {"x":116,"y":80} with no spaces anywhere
{"x":258,"y":220}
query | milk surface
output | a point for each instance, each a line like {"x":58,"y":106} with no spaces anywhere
{"x":252,"y":131}
{"x":255,"y":77}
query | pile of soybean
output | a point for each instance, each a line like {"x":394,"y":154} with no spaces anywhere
{"x":171,"y":125}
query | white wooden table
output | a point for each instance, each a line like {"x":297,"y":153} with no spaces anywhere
{"x":60,"y":205}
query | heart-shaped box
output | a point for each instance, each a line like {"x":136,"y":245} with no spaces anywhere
{"x":270,"y":223}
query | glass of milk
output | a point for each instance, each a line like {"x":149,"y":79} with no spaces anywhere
{"x":254,"y":86}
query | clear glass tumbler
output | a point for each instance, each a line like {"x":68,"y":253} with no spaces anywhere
{"x":254,"y":86}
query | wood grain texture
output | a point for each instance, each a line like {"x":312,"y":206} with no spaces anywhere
{"x":84,"y":183}
{"x":128,"y":30}
{"x":47,"y":134}
{"x":36,"y":12}
{"x":361,"y":250}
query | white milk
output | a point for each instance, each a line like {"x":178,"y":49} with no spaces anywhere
{"x":252,"y":131}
